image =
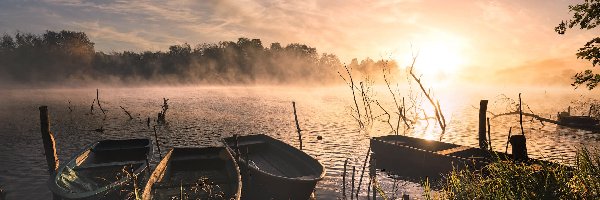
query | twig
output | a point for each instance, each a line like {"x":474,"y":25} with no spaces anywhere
{"x":126,"y":112}
{"x":521,"y":115}
{"x":438,"y":112}
{"x":352,"y":86}
{"x":297,"y":124}
{"x":98,"y":101}
{"x":157,"y":143}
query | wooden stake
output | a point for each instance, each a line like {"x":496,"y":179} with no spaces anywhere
{"x":508,"y":140}
{"x":297,"y":124}
{"x":157,"y":143}
{"x":363,"y":172}
{"x":489,"y":134}
{"x":352,"y":190}
{"x":521,"y":115}
{"x":344,"y":179}
{"x":482,"y":129}
{"x":48,"y":140}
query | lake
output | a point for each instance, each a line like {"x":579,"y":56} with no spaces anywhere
{"x":201,"y":116}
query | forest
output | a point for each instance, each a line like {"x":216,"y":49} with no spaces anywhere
{"x":68,"y":58}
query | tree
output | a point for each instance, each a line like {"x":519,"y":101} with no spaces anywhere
{"x":586,"y":16}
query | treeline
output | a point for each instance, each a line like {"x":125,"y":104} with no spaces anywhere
{"x":69,"y":57}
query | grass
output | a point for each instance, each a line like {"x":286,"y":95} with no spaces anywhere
{"x":511,"y":180}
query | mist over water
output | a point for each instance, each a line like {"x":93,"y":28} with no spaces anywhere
{"x":200,"y":116}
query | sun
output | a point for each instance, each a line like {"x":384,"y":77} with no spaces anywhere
{"x":439,"y":56}
{"x":438,"y":59}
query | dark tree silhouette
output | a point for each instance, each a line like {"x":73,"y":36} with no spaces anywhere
{"x":56,"y":57}
{"x":585,"y":16}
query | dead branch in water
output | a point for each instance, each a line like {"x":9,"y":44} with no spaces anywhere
{"x":98,"y":101}
{"x":400,"y":109}
{"x":352,"y":86}
{"x":438,"y":111}
{"x":539,"y":118}
{"x":162,"y":114}
{"x":127,"y":112}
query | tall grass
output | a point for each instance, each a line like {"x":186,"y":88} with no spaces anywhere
{"x":511,"y":180}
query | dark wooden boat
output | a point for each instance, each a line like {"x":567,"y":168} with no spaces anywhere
{"x":415,"y":158}
{"x":580,"y":122}
{"x":104,"y":169}
{"x":272,"y":169}
{"x":195,"y":173}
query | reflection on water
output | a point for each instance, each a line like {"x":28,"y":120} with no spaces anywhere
{"x":201,"y":116}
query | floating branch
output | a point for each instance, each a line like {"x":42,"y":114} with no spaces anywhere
{"x":127,"y":112}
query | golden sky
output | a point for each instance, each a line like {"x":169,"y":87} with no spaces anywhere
{"x":457,"y":38}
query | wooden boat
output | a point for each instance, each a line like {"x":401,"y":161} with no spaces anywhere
{"x":195,"y":173}
{"x":272,"y":169}
{"x":580,"y":122}
{"x":415,"y":158}
{"x":104,"y":169}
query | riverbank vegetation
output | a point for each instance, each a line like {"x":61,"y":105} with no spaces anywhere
{"x":68,"y":57}
{"x":512,"y":180}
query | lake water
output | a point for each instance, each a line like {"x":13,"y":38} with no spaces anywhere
{"x":200,"y":116}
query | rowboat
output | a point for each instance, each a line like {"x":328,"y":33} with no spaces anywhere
{"x":195,"y":173}
{"x":272,"y":169}
{"x":105,"y":169}
{"x":415,"y":158}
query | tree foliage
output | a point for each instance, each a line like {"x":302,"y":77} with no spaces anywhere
{"x":585,"y":16}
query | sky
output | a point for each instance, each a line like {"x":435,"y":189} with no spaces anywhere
{"x":459,"y":39}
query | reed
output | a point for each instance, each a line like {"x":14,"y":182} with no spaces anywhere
{"x":512,"y":180}
{"x":2,"y":193}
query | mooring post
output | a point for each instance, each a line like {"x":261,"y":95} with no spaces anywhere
{"x":482,"y":119}
{"x":49,"y":144}
{"x":519,"y":147}
{"x":48,"y":140}
{"x":297,"y":124}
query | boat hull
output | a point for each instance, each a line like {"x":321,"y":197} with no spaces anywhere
{"x":107,"y":169}
{"x":417,"y":159}
{"x":275,"y":169}
{"x":195,"y":173}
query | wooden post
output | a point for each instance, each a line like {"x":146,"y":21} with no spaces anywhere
{"x":344,"y":179}
{"x":352,"y":190}
{"x":297,"y":125}
{"x":48,"y":140}
{"x":489,"y":130}
{"x":482,"y":129}
{"x":519,"y":147}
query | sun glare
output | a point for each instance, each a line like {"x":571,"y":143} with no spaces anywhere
{"x":438,"y":56}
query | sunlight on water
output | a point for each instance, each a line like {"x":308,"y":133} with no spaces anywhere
{"x":201,"y":116}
